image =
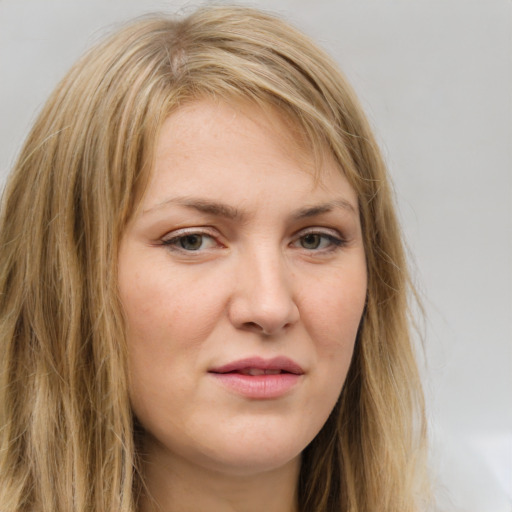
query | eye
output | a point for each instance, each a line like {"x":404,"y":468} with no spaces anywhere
{"x":190,"y":242}
{"x":317,"y":241}
{"x":312,"y":241}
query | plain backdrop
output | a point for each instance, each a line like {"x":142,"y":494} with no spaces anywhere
{"x":435,"y":78}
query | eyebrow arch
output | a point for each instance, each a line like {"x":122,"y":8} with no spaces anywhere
{"x":201,"y":205}
{"x":312,"y":211}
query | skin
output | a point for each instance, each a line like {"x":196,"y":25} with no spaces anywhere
{"x":236,"y":251}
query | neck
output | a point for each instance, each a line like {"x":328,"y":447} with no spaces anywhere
{"x":173,"y":484}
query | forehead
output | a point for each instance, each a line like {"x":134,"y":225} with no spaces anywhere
{"x":215,"y":118}
{"x":214,"y":146}
{"x":203,"y":116}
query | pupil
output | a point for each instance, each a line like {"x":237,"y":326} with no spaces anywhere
{"x":311,"y":241}
{"x":191,"y":242}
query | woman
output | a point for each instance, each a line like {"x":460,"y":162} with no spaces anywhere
{"x":204,"y":292}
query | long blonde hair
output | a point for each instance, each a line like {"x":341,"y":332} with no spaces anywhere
{"x":67,"y":434}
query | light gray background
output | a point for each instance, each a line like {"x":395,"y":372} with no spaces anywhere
{"x":436,"y":80}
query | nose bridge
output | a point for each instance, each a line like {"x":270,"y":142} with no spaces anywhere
{"x":264,"y":296}
{"x":270,"y":274}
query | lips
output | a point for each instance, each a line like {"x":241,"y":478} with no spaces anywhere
{"x":258,"y":378}
{"x":259,"y":366}
{"x":258,"y":371}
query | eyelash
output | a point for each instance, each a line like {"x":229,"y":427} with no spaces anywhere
{"x":172,"y":243}
{"x":334,"y":241}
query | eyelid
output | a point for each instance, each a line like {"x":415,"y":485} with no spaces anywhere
{"x":336,"y":239}
{"x":177,"y":233}
{"x":171,"y":237}
{"x":317,"y":230}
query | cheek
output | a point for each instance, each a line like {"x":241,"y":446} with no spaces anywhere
{"x":162,"y":306}
{"x":168,"y":317}
{"x":335,"y":310}
{"x":333,"y":321}
{"x":167,"y":321}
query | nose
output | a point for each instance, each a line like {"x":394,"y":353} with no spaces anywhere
{"x":263,"y":299}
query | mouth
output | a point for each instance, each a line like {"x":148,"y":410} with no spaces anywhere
{"x":258,"y":371}
{"x":259,"y":379}
{"x":256,"y":366}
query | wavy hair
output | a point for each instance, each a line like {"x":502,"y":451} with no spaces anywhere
{"x":67,"y":441}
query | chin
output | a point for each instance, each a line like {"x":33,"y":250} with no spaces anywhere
{"x":252,"y":461}
{"x":247,"y":453}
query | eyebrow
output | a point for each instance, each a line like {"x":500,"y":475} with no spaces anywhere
{"x":312,"y":211}
{"x":229,"y":212}
{"x":201,"y":205}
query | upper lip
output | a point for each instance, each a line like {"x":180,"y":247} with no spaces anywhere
{"x":277,"y":363}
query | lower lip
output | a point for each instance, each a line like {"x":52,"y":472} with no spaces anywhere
{"x":259,"y":387}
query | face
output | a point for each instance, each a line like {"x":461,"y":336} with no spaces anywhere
{"x":243,"y":281}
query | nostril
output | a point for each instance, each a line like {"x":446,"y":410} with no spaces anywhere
{"x":260,"y":328}
{"x":252,"y":326}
